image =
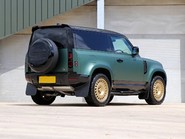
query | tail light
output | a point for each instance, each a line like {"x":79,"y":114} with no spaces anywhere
{"x":70,"y":60}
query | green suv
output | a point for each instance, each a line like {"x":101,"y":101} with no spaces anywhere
{"x":91,"y":63}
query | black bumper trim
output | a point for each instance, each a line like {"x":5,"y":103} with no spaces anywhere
{"x":62,"y":79}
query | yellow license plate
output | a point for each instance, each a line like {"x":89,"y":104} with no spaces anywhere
{"x":47,"y":79}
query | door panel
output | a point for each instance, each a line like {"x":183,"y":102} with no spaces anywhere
{"x":128,"y":68}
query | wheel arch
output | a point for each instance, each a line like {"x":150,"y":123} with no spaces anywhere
{"x":103,"y":71}
{"x":161,"y":74}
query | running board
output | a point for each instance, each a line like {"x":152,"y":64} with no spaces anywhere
{"x":125,"y":93}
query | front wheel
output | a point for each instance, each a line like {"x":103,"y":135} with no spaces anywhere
{"x":41,"y":98}
{"x":157,"y":91}
{"x":99,"y":94}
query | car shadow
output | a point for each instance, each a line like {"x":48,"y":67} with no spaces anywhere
{"x":126,"y":104}
{"x":79,"y":104}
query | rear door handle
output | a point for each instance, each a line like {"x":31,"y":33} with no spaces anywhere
{"x":119,"y":60}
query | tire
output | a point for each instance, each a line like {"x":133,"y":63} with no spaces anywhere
{"x":99,"y":94}
{"x":157,"y":91}
{"x":42,"y":55}
{"x":111,"y":98}
{"x":42,"y":99}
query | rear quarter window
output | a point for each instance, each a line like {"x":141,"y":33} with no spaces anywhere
{"x":92,"y":40}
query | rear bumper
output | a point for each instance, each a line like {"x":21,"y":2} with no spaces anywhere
{"x":66,"y":84}
{"x":62,"y":79}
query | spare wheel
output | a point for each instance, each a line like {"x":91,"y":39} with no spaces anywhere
{"x":42,"y":55}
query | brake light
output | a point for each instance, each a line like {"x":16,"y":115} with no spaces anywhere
{"x":70,"y":60}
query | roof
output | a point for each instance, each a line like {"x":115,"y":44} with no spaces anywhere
{"x":79,"y":28}
{"x":94,"y":30}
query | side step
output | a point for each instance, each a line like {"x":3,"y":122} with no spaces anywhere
{"x":125,"y":93}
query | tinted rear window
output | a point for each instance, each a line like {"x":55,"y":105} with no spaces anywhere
{"x":92,"y":40}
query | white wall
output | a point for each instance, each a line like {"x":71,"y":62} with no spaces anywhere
{"x":146,"y":19}
{"x":156,"y":49}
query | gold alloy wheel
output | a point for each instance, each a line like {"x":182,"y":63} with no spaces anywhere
{"x":101,"y":90}
{"x":158,"y":90}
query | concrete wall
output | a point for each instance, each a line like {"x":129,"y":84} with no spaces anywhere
{"x":12,"y":55}
{"x":140,"y":23}
{"x":141,"y":2}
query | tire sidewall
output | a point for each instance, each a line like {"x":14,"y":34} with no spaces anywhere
{"x":111,"y":98}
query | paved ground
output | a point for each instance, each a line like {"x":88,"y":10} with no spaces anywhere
{"x":79,"y":121}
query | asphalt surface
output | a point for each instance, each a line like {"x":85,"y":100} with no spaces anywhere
{"x":79,"y":121}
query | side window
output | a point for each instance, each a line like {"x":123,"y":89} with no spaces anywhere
{"x":92,"y":40}
{"x":121,"y":45}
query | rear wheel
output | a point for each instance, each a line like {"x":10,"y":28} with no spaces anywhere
{"x":157,"y":91}
{"x":42,"y":98}
{"x":111,"y":98}
{"x":99,"y":94}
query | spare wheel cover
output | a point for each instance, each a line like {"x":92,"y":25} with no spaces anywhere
{"x":43,"y":55}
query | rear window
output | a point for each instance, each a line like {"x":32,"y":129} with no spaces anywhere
{"x":92,"y":40}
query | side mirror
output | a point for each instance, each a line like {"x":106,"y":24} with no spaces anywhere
{"x":135,"y":51}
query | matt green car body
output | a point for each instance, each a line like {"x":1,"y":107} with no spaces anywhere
{"x":90,"y":60}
